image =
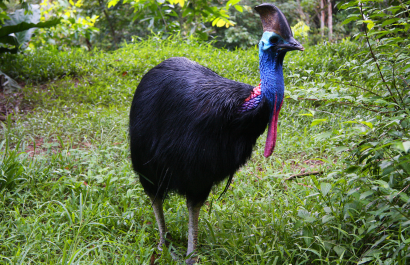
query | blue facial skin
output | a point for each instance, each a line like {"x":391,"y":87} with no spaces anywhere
{"x":270,"y":64}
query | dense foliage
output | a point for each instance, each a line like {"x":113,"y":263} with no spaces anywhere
{"x":68,"y":194}
{"x":17,"y":28}
{"x":107,"y":24}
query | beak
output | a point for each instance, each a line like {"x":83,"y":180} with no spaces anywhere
{"x":291,"y":44}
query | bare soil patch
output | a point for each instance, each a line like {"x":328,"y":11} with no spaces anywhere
{"x":13,"y":103}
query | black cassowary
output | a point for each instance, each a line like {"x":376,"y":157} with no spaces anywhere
{"x":191,"y":128}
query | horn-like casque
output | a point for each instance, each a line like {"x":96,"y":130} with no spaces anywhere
{"x":273,"y":20}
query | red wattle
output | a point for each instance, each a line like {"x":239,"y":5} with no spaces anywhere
{"x":272,"y":132}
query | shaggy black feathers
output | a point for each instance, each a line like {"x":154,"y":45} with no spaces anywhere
{"x":185,"y":129}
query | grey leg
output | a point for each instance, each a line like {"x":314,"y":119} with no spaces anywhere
{"x":159,"y":216}
{"x":193,"y":210}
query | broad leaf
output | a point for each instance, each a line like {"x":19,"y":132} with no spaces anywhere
{"x":325,"y":188}
{"x":23,"y":24}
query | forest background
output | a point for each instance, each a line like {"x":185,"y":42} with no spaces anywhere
{"x":336,"y":190}
{"x":230,"y":24}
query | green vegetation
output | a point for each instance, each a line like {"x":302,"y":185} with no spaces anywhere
{"x":16,"y":29}
{"x":68,"y":194}
{"x":336,"y":190}
{"x":107,"y":24}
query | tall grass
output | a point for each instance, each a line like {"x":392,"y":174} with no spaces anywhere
{"x":69,"y":196}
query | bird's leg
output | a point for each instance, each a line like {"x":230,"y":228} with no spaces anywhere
{"x":193,"y":209}
{"x":159,"y":216}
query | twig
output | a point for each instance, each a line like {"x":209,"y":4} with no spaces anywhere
{"x":365,"y":106}
{"x":405,"y":81}
{"x":305,"y":174}
{"x":163,"y":19}
{"x":374,"y":57}
{"x":394,"y":84}
{"x":404,"y":189}
{"x":349,"y":84}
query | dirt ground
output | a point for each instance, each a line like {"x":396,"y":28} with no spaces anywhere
{"x":12,"y":103}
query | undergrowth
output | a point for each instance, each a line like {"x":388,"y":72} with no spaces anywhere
{"x":69,"y":196}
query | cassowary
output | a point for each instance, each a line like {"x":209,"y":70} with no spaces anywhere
{"x":191,"y":128}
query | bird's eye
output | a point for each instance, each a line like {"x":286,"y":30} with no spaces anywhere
{"x":274,"y":39}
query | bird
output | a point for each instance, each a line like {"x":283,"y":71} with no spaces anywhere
{"x":190,"y":128}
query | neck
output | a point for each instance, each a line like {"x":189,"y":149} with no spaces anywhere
{"x":272,"y":84}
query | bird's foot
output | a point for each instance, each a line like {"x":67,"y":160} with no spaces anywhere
{"x":161,"y":245}
{"x":166,"y":244}
{"x":164,"y":241}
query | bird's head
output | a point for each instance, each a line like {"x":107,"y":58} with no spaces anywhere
{"x":277,"y":35}
{"x":277,"y":39}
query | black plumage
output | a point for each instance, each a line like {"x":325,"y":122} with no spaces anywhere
{"x":191,"y":128}
{"x":185,"y":129}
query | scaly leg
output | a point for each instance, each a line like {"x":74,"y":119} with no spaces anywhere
{"x":159,"y":216}
{"x":193,"y":210}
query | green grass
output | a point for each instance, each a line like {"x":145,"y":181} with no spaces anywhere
{"x":71,"y":196}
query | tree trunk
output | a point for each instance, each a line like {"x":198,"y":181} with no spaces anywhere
{"x":322,"y":18}
{"x":330,"y":18}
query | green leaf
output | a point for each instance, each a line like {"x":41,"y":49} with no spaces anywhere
{"x":406,"y":146}
{"x":6,"y":30}
{"x":112,"y":3}
{"x":366,"y":194}
{"x":368,"y":124}
{"x":186,"y":12}
{"x":303,"y":213}
{"x":4,"y":16}
{"x":306,"y":215}
{"x":327,"y":218}
{"x":231,"y":3}
{"x":339,"y":250}
{"x":404,"y":197}
{"x":389,"y":21}
{"x":350,"y":19}
{"x":382,"y":183}
{"x":341,"y":149}
{"x":352,"y":169}
{"x":317,"y":121}
{"x":349,"y":122}
{"x":349,"y":4}
{"x":370,"y":24}
{"x":3,"y":5}
{"x":324,"y":135}
{"x":203,"y":35}
{"x":325,"y":188}
{"x":402,"y":146}
{"x":239,"y":8}
{"x":365,"y":260}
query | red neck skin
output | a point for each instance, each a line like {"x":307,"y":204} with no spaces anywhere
{"x":272,"y":131}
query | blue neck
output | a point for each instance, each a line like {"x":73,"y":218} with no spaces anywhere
{"x":272,"y":84}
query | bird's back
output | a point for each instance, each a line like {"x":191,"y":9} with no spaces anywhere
{"x":185,"y":128}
